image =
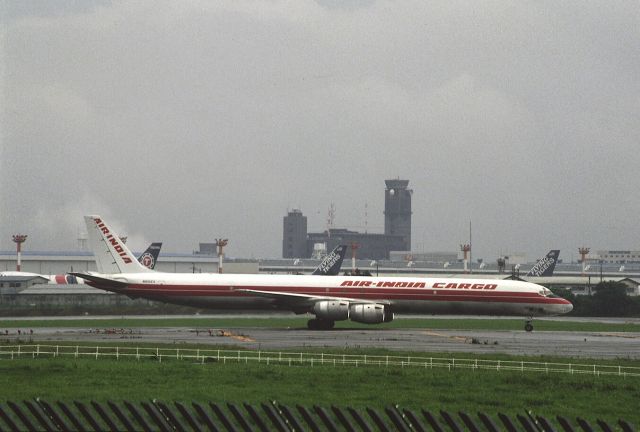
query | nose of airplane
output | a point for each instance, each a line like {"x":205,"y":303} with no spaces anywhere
{"x":567,"y":307}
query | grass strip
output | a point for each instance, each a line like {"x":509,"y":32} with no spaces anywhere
{"x":296,"y":322}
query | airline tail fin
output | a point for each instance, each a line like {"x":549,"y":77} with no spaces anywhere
{"x":150,"y":256}
{"x":112,"y":255}
{"x":546,"y":265}
{"x":330,"y":265}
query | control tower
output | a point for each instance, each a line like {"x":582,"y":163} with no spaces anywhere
{"x":397,"y":210}
{"x":294,"y":238}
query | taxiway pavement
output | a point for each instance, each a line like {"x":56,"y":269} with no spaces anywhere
{"x":603,"y":345}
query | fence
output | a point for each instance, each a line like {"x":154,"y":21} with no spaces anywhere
{"x":307,"y":359}
{"x":40,"y":415}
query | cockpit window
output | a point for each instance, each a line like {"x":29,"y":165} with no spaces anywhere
{"x":546,"y":292}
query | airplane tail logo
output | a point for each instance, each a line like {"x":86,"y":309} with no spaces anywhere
{"x":330,"y":265}
{"x":112,"y":255}
{"x":545,"y":266}
{"x":150,"y":256}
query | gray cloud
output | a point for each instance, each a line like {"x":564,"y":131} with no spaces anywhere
{"x":187,"y":121}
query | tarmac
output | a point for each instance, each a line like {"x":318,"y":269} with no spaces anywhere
{"x":600,"y":345}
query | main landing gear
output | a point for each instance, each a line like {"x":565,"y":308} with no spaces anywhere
{"x":320,"y":324}
{"x":528,"y":325}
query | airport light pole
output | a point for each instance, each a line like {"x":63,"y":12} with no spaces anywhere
{"x":221,"y":243}
{"x":465,"y":248}
{"x":354,"y":247}
{"x":584,"y":251}
{"x":18,"y":240}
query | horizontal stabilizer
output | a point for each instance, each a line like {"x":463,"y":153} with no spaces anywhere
{"x":101,"y":282}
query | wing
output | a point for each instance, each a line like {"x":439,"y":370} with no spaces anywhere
{"x":304,"y":300}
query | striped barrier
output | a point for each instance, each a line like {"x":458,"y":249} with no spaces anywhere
{"x":40,"y":415}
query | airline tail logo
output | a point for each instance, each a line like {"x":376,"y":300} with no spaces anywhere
{"x":147,"y":260}
{"x":546,"y":265}
{"x":330,"y":265}
{"x":113,"y":240}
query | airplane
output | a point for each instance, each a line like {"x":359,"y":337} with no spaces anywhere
{"x":148,"y":258}
{"x":330,"y":265}
{"x":370,"y":300}
{"x":546,"y":265}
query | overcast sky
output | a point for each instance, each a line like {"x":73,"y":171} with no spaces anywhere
{"x":186,"y":121}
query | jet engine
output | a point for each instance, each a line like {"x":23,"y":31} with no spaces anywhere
{"x":370,"y":313}
{"x":332,"y":310}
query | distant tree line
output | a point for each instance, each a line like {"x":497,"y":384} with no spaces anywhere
{"x":608,"y":299}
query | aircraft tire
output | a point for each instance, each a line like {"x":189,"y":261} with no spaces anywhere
{"x":528,"y":327}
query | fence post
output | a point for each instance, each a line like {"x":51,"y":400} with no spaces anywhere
{"x":96,"y":353}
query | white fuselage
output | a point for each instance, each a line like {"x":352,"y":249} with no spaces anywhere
{"x":401,"y":294}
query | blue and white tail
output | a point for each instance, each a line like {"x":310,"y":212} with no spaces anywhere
{"x":330,"y":265}
{"x":546,"y":265}
{"x":112,"y":255}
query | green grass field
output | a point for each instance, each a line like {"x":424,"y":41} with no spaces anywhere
{"x":68,"y":379}
{"x":300,"y":322}
{"x":589,"y":397}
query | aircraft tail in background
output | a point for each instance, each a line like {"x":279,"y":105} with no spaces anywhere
{"x":545,"y":266}
{"x":330,"y":265}
{"x":150,"y":256}
{"x":112,"y":255}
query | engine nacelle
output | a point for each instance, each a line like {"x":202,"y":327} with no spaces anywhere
{"x":332,"y":310}
{"x":370,"y":313}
